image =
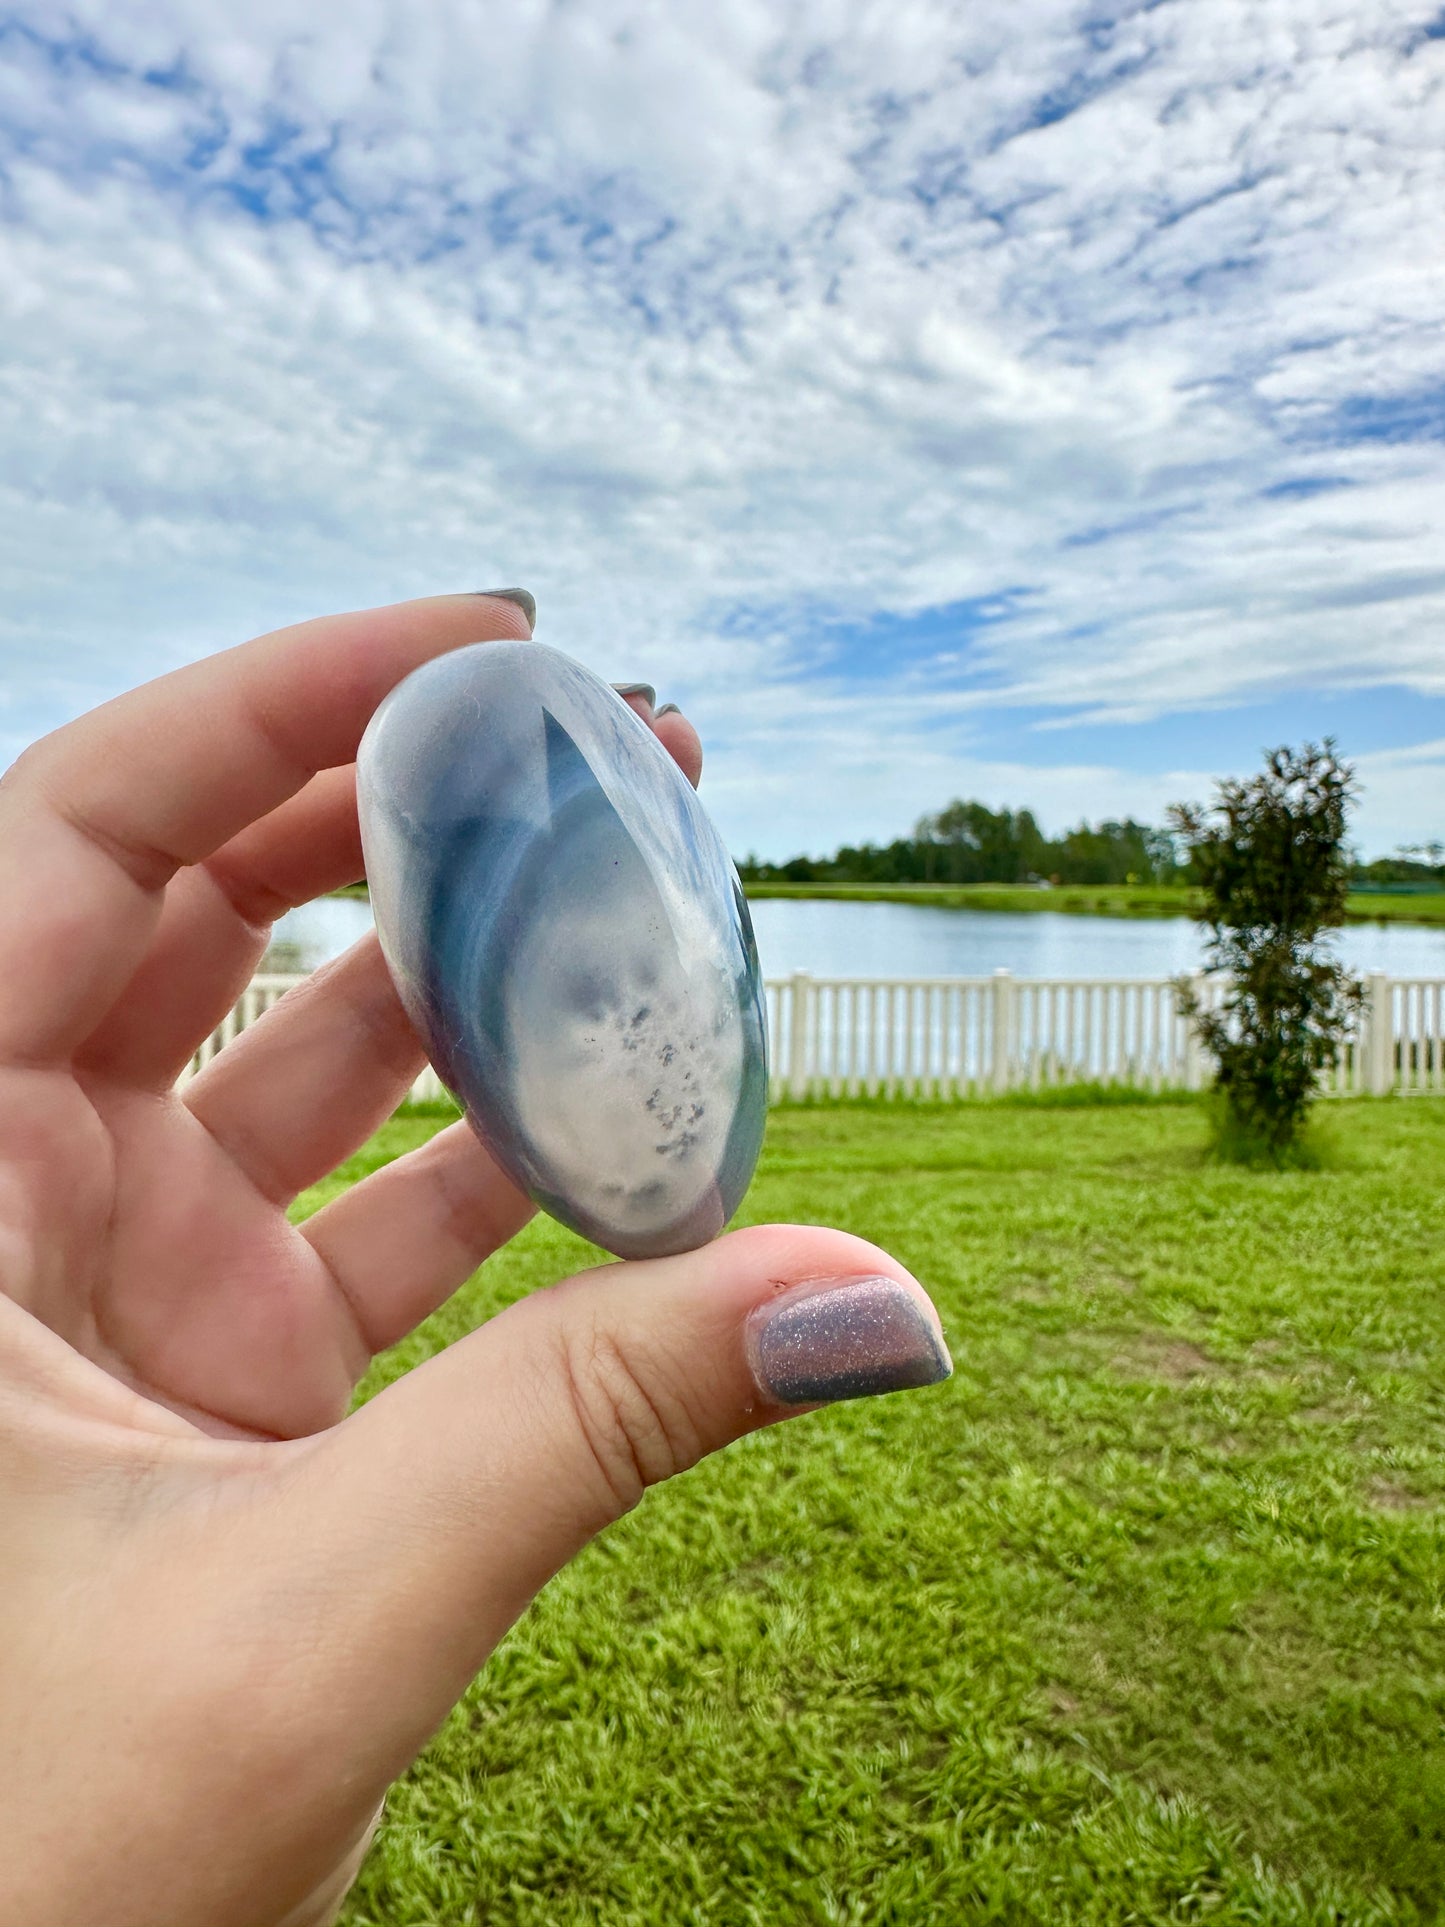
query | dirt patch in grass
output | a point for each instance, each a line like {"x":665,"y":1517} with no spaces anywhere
{"x":1108,"y":1281}
{"x":1388,"y":1495}
{"x":1157,"y":1355}
{"x":1033,"y":1291}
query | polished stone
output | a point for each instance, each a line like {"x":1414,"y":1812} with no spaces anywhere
{"x":567,"y":933}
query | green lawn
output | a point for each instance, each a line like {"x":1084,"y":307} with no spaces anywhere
{"x":1141,"y":1618}
{"x":1088,"y":899}
{"x":1074,"y":899}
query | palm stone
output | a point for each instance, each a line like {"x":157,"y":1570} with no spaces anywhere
{"x":569,"y":937}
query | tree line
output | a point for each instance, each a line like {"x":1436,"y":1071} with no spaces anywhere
{"x":967,"y":842}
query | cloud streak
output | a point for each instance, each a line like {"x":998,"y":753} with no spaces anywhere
{"x":741,"y":335}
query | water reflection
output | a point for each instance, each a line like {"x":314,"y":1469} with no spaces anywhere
{"x":910,"y":940}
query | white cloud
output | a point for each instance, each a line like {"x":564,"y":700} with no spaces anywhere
{"x":668,"y":313}
{"x":1404,"y":791}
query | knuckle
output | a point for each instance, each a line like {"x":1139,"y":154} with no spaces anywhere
{"x":637,"y":1430}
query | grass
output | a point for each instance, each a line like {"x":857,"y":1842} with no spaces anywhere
{"x":1083,"y":899}
{"x":1087,"y":900}
{"x":1141,"y":1618}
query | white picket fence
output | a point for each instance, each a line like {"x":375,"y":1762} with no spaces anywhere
{"x":947,"y":1037}
{"x":951,"y":1037}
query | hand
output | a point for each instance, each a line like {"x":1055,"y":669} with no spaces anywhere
{"x":230,"y":1615}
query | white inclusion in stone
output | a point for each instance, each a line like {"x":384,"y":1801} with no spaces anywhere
{"x":624,"y":1080}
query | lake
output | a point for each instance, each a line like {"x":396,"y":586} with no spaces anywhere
{"x":911,"y":940}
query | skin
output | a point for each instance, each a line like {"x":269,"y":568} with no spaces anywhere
{"x":229,"y":1614}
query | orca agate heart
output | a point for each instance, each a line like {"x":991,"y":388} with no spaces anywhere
{"x":569,"y":937}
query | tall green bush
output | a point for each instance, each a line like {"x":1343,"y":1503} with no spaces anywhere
{"x":1270,"y":858}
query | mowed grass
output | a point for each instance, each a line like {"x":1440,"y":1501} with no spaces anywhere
{"x":1073,"y":899}
{"x":1092,"y":899}
{"x":1140,"y":1618}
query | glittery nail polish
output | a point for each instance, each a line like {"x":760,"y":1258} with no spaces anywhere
{"x":523,"y":598}
{"x":644,"y":689}
{"x":668,"y":709}
{"x":844,"y":1338}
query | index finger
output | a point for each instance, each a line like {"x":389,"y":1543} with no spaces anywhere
{"x":96,"y":818}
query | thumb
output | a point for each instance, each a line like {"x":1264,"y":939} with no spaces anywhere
{"x":456,"y":1493}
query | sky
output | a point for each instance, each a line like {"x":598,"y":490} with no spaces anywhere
{"x":1034,"y":401}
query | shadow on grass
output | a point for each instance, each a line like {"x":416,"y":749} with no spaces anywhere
{"x":1317,"y":1146}
{"x":1059,"y":1097}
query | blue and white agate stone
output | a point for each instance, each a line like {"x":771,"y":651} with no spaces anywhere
{"x":568,"y":935}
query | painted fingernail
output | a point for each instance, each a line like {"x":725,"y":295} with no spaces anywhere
{"x":842,"y":1338}
{"x":523,"y":598}
{"x":637,"y":689}
{"x":668,"y":709}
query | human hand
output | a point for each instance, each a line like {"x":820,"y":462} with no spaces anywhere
{"x":230,"y":1615}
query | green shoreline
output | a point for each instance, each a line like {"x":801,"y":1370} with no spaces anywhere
{"x":1076,"y":900}
{"x":1087,"y":900}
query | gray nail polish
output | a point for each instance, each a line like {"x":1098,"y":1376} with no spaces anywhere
{"x":844,"y":1338}
{"x":668,"y":709}
{"x":523,"y":598}
{"x":637,"y":689}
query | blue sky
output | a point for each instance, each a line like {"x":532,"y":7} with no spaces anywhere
{"x":1041,"y":402}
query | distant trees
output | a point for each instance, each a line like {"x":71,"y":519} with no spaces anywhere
{"x":966,"y":842}
{"x":1414,"y":866}
{"x":1270,"y":858}
{"x":970,"y":843}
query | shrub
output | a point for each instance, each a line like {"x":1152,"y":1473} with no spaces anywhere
{"x":1270,"y":859}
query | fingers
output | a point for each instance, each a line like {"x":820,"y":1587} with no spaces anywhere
{"x":217,"y":915}
{"x":673,"y":730}
{"x":464,"y":1486}
{"x":403,"y":1240}
{"x":215,"y":926}
{"x":96,"y":819}
{"x":310,"y":1080}
{"x":682,"y":743}
{"x":303,"y":1087}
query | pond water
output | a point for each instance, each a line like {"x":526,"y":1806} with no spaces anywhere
{"x":912,"y":940}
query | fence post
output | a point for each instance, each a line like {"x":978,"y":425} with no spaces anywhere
{"x":798,"y":1034}
{"x":1003,"y":1010}
{"x":1379,"y":1035}
{"x":1194,"y":1065}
